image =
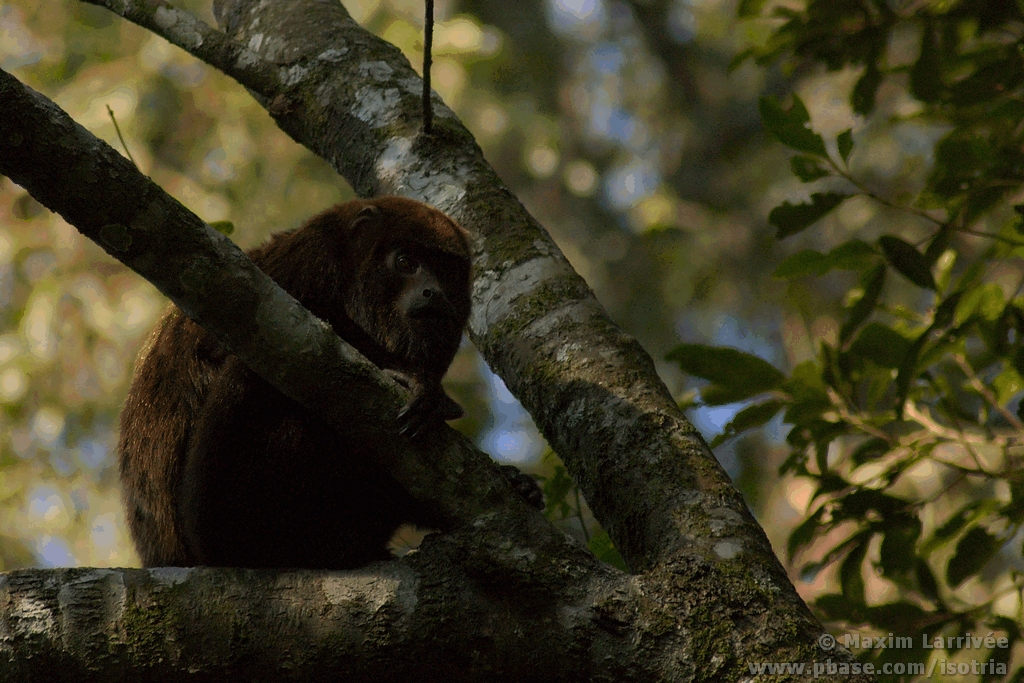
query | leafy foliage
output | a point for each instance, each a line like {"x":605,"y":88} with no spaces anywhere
{"x":909,"y":423}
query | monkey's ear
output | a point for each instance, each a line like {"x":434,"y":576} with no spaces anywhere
{"x":364,"y":214}
{"x":342,"y":218}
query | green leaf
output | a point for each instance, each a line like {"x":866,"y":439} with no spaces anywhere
{"x":872,"y":449}
{"x":881,"y":344}
{"x":738,"y":60}
{"x":845,"y":144}
{"x":897,"y":553}
{"x":939,"y":243}
{"x":895,"y":616}
{"x":852,"y":255}
{"x":967,"y":514}
{"x":749,"y":8}
{"x":727,"y":367}
{"x":908,"y":261}
{"x":807,"y":169}
{"x":973,"y":551}
{"x":223,"y":227}
{"x":859,"y":312}
{"x":908,"y":370}
{"x":792,"y":126}
{"x":926,"y":582}
{"x":805,"y":532}
{"x":720,"y":395}
{"x":991,"y":80}
{"x":748,"y":418}
{"x":944,"y":313}
{"x":851,"y":578}
{"x":836,"y":607}
{"x":793,"y":218}
{"x":801,"y":264}
{"x":863,"y":96}
{"x":926,"y":75}
{"x":987,"y":301}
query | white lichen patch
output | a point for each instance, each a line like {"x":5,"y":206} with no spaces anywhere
{"x":371,"y":588}
{"x":332,"y":55}
{"x":378,"y":70}
{"x":248,"y":58}
{"x":414,"y":86}
{"x":571,"y":314}
{"x":31,"y":617}
{"x":170,"y":576}
{"x":165,"y":17}
{"x":325,"y":93}
{"x":99,"y":592}
{"x":377,"y":108}
{"x":294,"y":74}
{"x":402,"y":172}
{"x":281,"y":319}
{"x":494,"y":293}
{"x":255,"y":42}
{"x":187,"y":33}
{"x":566,"y":353}
{"x":729,"y":548}
{"x":574,"y":616}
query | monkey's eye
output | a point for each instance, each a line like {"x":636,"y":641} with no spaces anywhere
{"x":405,"y":264}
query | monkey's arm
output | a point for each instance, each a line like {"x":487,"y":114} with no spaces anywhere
{"x":428,"y":402}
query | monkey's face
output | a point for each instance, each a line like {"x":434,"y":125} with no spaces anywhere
{"x":412,"y":289}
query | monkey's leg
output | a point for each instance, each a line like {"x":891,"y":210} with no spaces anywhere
{"x":268,"y":484}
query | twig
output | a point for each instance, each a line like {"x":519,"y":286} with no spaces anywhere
{"x":992,"y":236}
{"x":428,"y":42}
{"x":121,"y":137}
{"x":985,"y":392}
{"x":841,"y":407}
{"x":868,"y":192}
{"x":579,"y":514}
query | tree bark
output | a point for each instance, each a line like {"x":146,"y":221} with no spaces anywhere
{"x":708,"y":599}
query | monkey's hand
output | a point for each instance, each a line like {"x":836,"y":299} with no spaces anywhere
{"x":525,"y":485}
{"x":429,"y":402}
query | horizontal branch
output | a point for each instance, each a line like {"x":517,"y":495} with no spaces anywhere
{"x":379,"y":623}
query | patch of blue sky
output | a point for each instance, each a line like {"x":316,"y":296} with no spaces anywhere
{"x":611,"y":122}
{"x":607,"y":58}
{"x":512,"y":436}
{"x":630,"y":183}
{"x":682,"y":24}
{"x":583,"y":19}
{"x":54,"y":552}
{"x":92,"y":454}
{"x":711,"y":420}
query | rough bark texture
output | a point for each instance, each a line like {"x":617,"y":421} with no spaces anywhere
{"x":709,"y":597}
{"x":379,"y":623}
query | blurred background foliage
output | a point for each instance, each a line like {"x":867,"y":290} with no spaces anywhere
{"x":825,"y":188}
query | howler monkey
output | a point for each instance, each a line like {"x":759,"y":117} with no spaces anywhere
{"x":219,"y":468}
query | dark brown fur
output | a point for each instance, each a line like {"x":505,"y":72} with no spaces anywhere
{"x":219,"y":468}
